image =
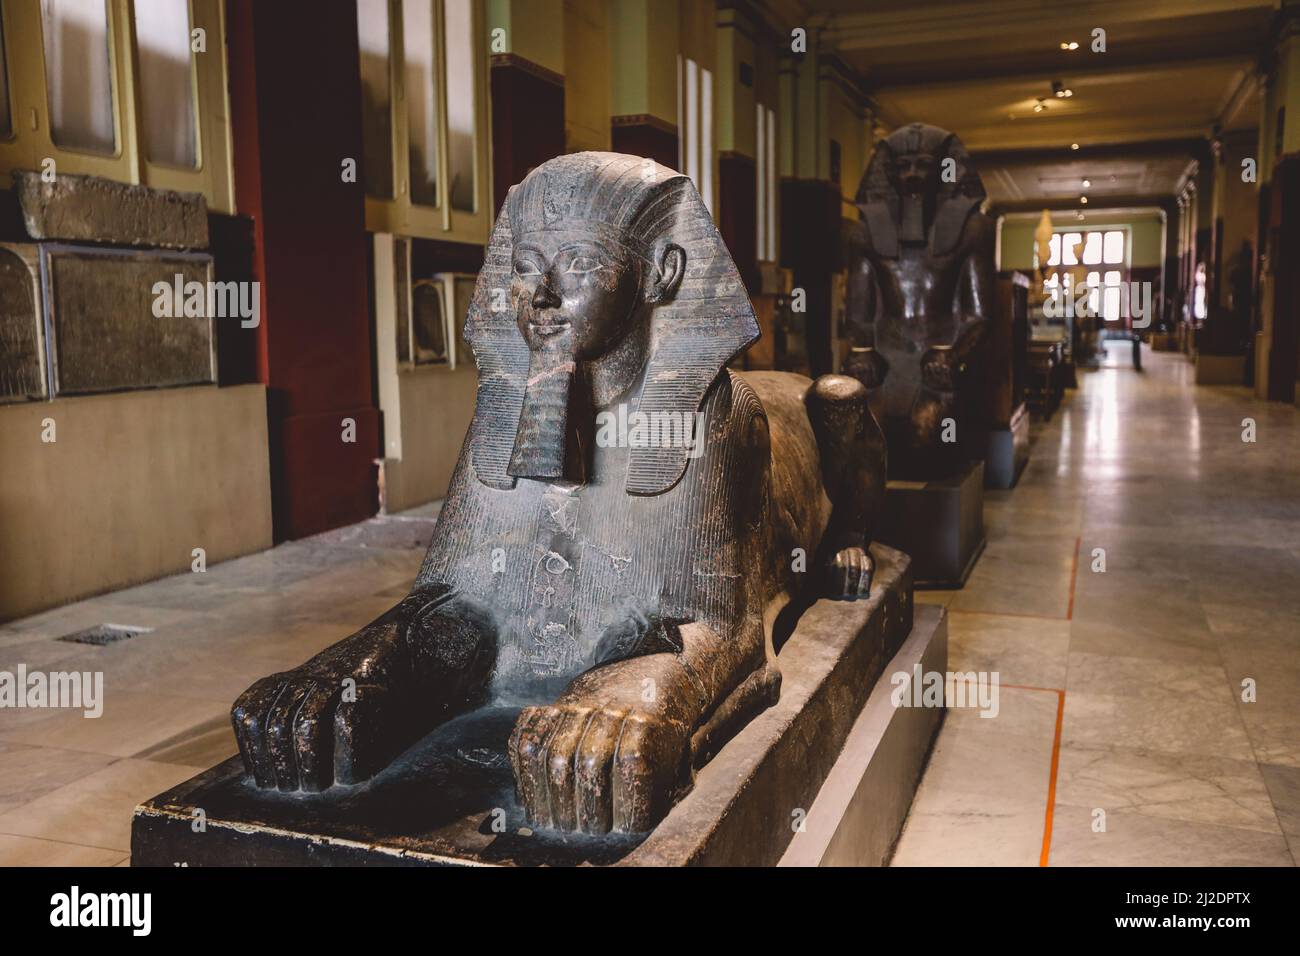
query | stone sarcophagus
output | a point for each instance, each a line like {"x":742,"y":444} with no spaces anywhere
{"x":629,"y":537}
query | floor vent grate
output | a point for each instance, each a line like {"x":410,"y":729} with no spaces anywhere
{"x":102,"y":634}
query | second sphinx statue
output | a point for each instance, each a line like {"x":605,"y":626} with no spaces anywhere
{"x":621,"y":589}
{"x":919,"y":296}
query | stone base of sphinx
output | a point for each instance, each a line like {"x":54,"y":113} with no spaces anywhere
{"x":940,"y":523}
{"x":1007,"y":452}
{"x":859,"y":812}
{"x":449,"y":799}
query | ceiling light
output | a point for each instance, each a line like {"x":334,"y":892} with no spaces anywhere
{"x":1061,"y":90}
{"x":1069,"y":44}
{"x":1087,"y":183}
{"x":1074,"y":146}
{"x":1039,"y":106}
{"x":1083,"y":200}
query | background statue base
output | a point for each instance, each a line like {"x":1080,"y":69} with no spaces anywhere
{"x":450,"y":799}
{"x":940,"y":523}
{"x":1007,"y":452}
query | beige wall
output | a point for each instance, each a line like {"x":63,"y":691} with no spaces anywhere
{"x":437,"y":405}
{"x":426,"y":410}
{"x":131,"y":485}
{"x":587,"y":87}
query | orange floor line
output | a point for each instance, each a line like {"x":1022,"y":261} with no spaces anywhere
{"x":1074,"y":574}
{"x":1056,"y":763}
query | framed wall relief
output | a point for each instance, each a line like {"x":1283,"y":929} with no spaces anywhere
{"x":124,"y":319}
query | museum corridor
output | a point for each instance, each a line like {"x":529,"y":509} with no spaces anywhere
{"x":1119,"y":689}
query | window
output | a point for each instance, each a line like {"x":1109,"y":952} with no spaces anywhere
{"x":1089,"y":249}
{"x":424,"y":95}
{"x":765,"y":150}
{"x":134,"y":92}
{"x":695,"y":127}
{"x":79,"y":74}
{"x":167,"y":94}
{"x":6,"y":113}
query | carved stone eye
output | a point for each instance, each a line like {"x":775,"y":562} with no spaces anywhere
{"x":581,"y":265}
{"x":525,"y":268}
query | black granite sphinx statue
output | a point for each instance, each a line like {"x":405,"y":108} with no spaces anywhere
{"x":622,"y":591}
{"x":920,"y":292}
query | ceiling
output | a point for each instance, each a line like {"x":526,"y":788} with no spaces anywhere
{"x":1140,"y":112}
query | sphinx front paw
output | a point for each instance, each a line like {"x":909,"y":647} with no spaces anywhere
{"x":851,"y":572}
{"x":597,"y":769}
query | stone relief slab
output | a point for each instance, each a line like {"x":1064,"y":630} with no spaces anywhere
{"x":105,"y":333}
{"x":22,"y":336}
{"x":88,"y":208}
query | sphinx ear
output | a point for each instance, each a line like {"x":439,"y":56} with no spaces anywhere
{"x":670,"y":269}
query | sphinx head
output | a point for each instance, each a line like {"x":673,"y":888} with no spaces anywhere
{"x":604,"y":272}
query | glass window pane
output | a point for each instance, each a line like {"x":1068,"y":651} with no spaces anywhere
{"x":1068,"y":252}
{"x":1092,"y":249}
{"x":79,"y":74}
{"x":771,"y":185}
{"x":1054,"y":250}
{"x":706,"y":137}
{"x":1093,"y":283}
{"x":6,"y":117}
{"x":459,"y":19}
{"x":1114,"y":247}
{"x":376,"y":98}
{"x":1111,"y":313}
{"x":760,"y":154}
{"x":691,"y":133}
{"x":162,"y":32}
{"x":420,"y":87}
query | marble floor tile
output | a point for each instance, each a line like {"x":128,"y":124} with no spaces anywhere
{"x":1030,"y":651}
{"x":1145,"y":676}
{"x":1136,"y":839}
{"x":28,"y":773}
{"x":950,"y":827}
{"x":96,"y":810}
{"x":1284,"y":790}
{"x":131,"y":722}
{"x":1190,"y":787}
{"x":32,"y":851}
{"x":1119,"y":638}
{"x":1170,"y":722}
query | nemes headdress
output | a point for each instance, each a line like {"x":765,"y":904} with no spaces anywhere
{"x":645,"y":207}
{"x":878,"y":193}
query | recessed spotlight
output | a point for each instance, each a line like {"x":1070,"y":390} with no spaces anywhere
{"x":1074,"y":146}
{"x":1083,"y":200}
{"x":1087,"y":183}
{"x":1069,"y":44}
{"x":1039,"y":106}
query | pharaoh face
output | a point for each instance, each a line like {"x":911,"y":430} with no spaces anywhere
{"x":914,"y":172}
{"x":575,"y":292}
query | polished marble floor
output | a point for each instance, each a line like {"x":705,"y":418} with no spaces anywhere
{"x":1121,"y":736}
